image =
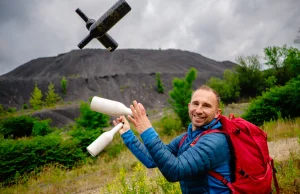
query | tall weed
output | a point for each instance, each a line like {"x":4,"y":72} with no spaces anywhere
{"x":140,"y":181}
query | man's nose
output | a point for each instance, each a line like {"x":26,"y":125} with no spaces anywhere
{"x":199,"y":109}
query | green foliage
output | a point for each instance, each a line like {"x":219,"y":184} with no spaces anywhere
{"x":84,"y":137}
{"x":25,"y":106}
{"x":64,"y":83}
{"x":36,"y":98}
{"x":91,"y":120}
{"x":270,"y":82}
{"x":140,"y":182}
{"x":284,"y":61}
{"x":25,"y":155}
{"x":41,"y":128}
{"x":170,"y":123}
{"x":288,"y":173}
{"x":115,"y":149}
{"x":17,"y":127}
{"x":2,"y":110}
{"x":228,"y":87}
{"x":292,"y":60}
{"x":249,"y":75}
{"x":181,"y":94}
{"x":279,"y":100}
{"x":51,"y":96}
{"x":12,"y":110}
{"x":159,"y":84}
{"x":21,"y":126}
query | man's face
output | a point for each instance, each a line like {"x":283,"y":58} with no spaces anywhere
{"x":203,"y":108}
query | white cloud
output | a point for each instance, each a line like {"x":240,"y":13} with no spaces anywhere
{"x":218,"y":29}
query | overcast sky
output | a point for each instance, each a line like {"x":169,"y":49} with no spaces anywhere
{"x":218,"y":29}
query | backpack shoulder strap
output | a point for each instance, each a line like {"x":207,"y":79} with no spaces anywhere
{"x":205,"y":133}
{"x":274,"y":176}
{"x":182,"y":140}
{"x":222,"y":179}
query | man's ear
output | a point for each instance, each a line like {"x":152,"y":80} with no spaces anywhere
{"x":218,"y":112}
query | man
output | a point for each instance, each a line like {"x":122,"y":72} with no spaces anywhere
{"x":179,"y":160}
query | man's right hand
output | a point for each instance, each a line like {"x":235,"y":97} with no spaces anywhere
{"x":126,"y":125}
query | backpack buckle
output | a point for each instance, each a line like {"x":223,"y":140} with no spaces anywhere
{"x":237,"y":130}
{"x":243,"y":173}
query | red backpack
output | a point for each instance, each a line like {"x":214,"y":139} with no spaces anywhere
{"x":253,"y":167}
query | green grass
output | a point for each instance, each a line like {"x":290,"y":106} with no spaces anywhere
{"x":282,"y":129}
{"x":116,"y":170}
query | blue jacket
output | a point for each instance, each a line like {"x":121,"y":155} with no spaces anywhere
{"x":185,"y":164}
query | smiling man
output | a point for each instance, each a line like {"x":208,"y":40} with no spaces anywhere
{"x":204,"y":107}
{"x":187,"y":158}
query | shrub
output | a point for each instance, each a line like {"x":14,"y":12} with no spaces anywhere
{"x":2,"y":110}
{"x":63,"y":83}
{"x":279,"y":100}
{"x":169,"y":124}
{"x":24,"y":106}
{"x":91,"y":120}
{"x":84,"y":137}
{"x":12,"y":110}
{"x":159,"y":84}
{"x":141,"y":182}
{"x":41,"y":128}
{"x":25,"y":155}
{"x":16,"y":127}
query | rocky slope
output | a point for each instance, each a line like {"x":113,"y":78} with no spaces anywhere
{"x":123,"y":75}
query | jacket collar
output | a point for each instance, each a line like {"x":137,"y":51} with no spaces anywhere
{"x":214,"y":124}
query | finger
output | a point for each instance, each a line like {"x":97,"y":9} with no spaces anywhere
{"x":123,"y":120}
{"x":137,"y":107}
{"x":135,"y":104}
{"x":134,"y":113}
{"x":132,"y":120}
{"x":142,"y":109}
{"x":115,"y":123}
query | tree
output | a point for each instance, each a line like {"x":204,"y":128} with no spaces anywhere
{"x":285,"y":62}
{"x":159,"y":84}
{"x":250,"y":76}
{"x":91,"y":120}
{"x":63,"y":83}
{"x":297,"y":40}
{"x":51,"y":96}
{"x":228,"y":87}
{"x":36,"y":98}
{"x":181,"y":95}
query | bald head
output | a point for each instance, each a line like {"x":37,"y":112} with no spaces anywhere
{"x":206,"y":88}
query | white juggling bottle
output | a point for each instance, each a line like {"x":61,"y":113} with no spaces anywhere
{"x":109,"y":107}
{"x":103,"y":140}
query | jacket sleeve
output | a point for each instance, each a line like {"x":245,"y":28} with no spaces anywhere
{"x":210,"y":151}
{"x":140,"y":151}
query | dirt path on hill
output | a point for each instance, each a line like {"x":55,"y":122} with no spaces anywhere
{"x":280,"y":150}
